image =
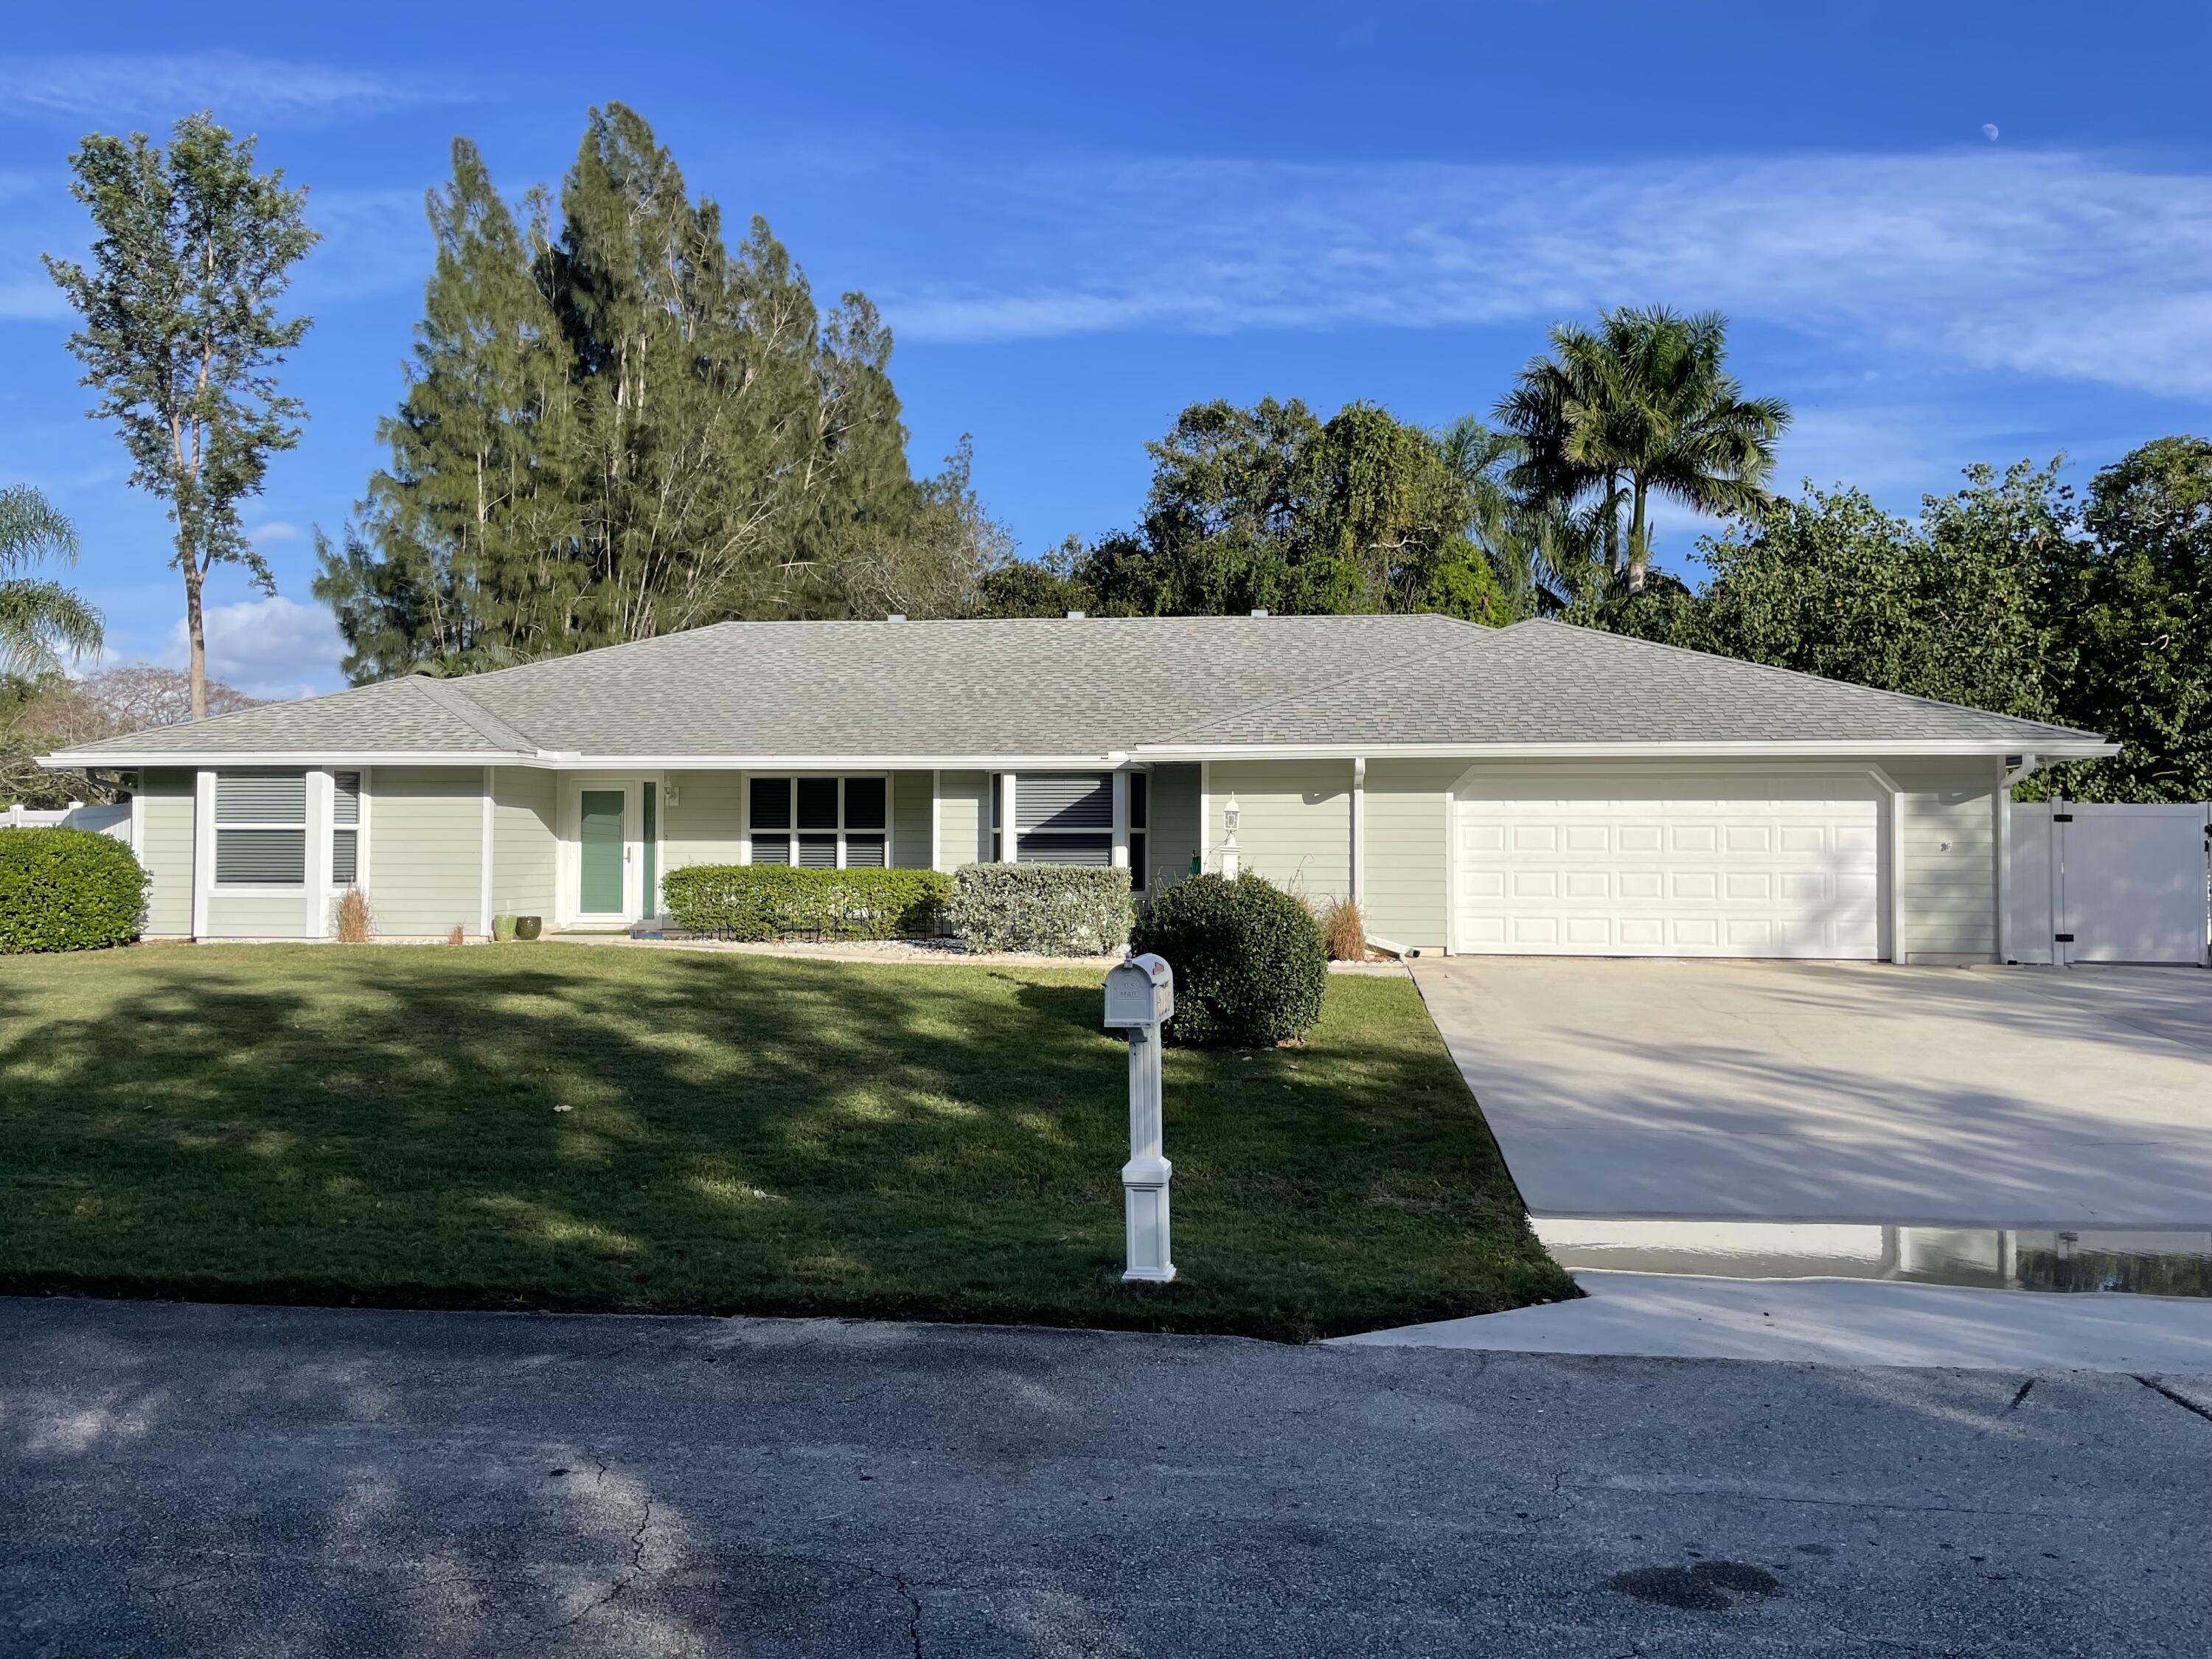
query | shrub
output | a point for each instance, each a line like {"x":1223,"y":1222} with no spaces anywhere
{"x":1250,"y":964}
{"x":1343,"y":931}
{"x":782,"y":900}
{"x":68,"y":890}
{"x":1049,"y":910}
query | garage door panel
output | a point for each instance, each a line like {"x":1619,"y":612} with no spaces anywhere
{"x":1560,"y":866}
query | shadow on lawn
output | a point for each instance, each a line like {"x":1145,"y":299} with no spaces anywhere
{"x":788,"y":1138}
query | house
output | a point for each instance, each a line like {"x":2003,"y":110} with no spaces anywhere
{"x":1537,"y":789}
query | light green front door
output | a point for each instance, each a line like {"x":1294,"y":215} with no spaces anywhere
{"x":602,"y":862}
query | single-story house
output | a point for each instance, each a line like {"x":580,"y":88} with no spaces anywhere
{"x":1533,"y":789}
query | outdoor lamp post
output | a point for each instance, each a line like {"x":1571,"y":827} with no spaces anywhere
{"x":1139,"y":998}
{"x":1229,"y":816}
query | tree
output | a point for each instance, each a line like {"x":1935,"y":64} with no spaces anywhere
{"x":38,"y":619}
{"x":615,"y":425}
{"x":2132,"y":605}
{"x":49,"y":711}
{"x":180,"y":332}
{"x":1641,"y":405}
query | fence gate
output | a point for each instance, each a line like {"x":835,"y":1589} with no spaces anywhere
{"x":2092,"y":883}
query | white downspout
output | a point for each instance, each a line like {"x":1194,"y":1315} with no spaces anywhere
{"x":1360,"y":830}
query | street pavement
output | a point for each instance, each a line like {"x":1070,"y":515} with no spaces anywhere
{"x":217,"y":1481}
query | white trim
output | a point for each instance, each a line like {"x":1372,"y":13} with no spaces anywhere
{"x":1897,"y":953}
{"x":202,"y":848}
{"x":138,"y":822}
{"x":1119,"y":857}
{"x":2051,"y":748}
{"x":1204,"y":815}
{"x":1010,"y":828}
{"x":483,"y":865}
{"x":1359,"y":829}
{"x":936,"y":819}
{"x":360,"y":866}
{"x":1451,"y":867}
{"x":321,"y":795}
{"x":2003,"y":807}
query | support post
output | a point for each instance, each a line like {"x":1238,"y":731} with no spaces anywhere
{"x":1145,"y":1177}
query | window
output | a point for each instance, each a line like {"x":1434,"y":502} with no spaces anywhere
{"x":821,"y":824}
{"x":345,"y":829}
{"x":1140,"y":823}
{"x":1064,"y":818}
{"x":260,"y":829}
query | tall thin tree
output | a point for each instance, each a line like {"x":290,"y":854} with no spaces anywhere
{"x":181,"y":336}
{"x":1641,"y":405}
{"x":38,"y":619}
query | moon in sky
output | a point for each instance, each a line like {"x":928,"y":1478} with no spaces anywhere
{"x":1990,"y":131}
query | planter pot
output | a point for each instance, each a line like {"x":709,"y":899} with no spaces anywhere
{"x":502,"y":928}
{"x":529,"y":926}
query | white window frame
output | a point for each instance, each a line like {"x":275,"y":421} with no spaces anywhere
{"x":358,"y":829}
{"x":793,"y":832}
{"x":217,"y":823}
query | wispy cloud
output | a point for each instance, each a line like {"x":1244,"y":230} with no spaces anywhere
{"x":267,"y":647}
{"x":122,"y":87}
{"x":2071,"y":266}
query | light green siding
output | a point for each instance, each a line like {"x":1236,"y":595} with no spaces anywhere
{"x":706,"y":821}
{"x":1174,"y":824}
{"x":1296,"y":823}
{"x":165,"y":848}
{"x":1950,"y":858}
{"x":525,"y":850}
{"x":426,"y":850}
{"x":910,"y":809}
{"x":963,"y":819}
{"x":1408,"y":807}
{"x":258,"y":915}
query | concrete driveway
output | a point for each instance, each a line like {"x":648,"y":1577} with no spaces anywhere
{"x":1990,"y":1097}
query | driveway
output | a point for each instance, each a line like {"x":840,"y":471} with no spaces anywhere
{"x":211,"y":1481}
{"x":1831,"y":1092}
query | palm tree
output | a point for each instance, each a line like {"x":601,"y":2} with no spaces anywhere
{"x":1641,"y":405}
{"x":38,"y":619}
{"x":1544,"y":549}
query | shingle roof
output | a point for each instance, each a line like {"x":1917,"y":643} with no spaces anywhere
{"x":1088,"y":686}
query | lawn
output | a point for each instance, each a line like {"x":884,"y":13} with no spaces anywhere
{"x":562,"y":1126}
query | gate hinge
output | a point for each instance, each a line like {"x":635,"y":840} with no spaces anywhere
{"x":2063,"y":939}
{"x":2062,"y":818}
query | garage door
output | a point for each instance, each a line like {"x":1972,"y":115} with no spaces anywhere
{"x":1672,"y":864}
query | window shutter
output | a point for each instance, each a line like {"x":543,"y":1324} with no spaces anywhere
{"x":261,"y":855}
{"x":345,"y":797}
{"x":261,"y":797}
{"x":1064,"y":800}
{"x":1067,"y":849}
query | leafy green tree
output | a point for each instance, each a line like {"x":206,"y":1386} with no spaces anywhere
{"x":1642,"y":405}
{"x":181,"y":336}
{"x":1953,"y":607}
{"x":2132,"y":604}
{"x":615,"y":425}
{"x":38,"y":619}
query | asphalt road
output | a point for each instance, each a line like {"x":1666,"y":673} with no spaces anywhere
{"x":206,"y":1480}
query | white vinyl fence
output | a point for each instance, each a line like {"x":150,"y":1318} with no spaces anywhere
{"x":2092,"y":883}
{"x":106,"y":820}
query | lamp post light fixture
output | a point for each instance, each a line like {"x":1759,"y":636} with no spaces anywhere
{"x":1229,"y":817}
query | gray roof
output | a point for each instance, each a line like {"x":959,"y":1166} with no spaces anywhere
{"x":1084,"y":687}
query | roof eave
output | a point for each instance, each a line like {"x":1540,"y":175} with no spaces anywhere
{"x":2050,"y":749}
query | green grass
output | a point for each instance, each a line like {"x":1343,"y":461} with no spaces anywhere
{"x":742,"y":1134}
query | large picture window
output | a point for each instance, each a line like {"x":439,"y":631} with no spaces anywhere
{"x":822,"y":823}
{"x":1064,"y":818}
{"x":260,"y":829}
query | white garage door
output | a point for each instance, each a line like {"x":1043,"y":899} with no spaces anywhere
{"x":1676,"y":865}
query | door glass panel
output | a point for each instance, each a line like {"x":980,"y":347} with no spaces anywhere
{"x":601,"y":839}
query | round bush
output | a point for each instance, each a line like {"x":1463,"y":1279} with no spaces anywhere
{"x":67,"y":890}
{"x":1250,"y":968}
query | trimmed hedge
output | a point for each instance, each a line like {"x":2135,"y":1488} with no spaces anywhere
{"x":1046,"y":909}
{"x":782,"y":900}
{"x":1250,"y":966}
{"x":68,"y":890}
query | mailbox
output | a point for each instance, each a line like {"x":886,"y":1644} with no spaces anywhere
{"x":1139,"y":991}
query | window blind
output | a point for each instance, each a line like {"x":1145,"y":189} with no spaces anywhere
{"x":1064,"y":800}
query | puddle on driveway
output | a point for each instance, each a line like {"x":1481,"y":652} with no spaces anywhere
{"x":2176,"y":1262}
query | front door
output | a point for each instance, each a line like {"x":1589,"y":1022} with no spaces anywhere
{"x":603,"y":855}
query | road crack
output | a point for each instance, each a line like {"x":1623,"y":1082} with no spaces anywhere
{"x":2182,"y":1401}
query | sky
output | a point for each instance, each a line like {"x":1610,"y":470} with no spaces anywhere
{"x":1945,"y":233}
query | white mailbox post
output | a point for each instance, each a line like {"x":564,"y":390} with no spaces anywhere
{"x":1140,"y":998}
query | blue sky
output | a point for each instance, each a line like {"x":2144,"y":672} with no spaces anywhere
{"x":1077,"y":221}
